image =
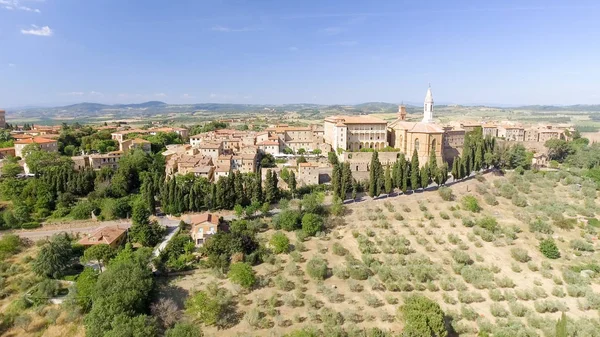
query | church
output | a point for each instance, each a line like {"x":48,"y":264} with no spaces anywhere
{"x":425,"y":136}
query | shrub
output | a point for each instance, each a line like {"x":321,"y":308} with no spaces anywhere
{"x":470,"y":203}
{"x":496,"y":295}
{"x":581,"y":245}
{"x":444,"y":216}
{"x":280,"y":243}
{"x":359,"y":272}
{"x":517,"y":309}
{"x":480,"y":277}
{"x":489,"y":223}
{"x":422,"y":317}
{"x":468,"y":297}
{"x":317,"y":268}
{"x":242,"y":274}
{"x":490,"y":199}
{"x":338,"y":249}
{"x":520,"y":254}
{"x":461,"y":257}
{"x":10,"y":244}
{"x":446,"y":193}
{"x":519,"y":200}
{"x":468,"y":313}
{"x":498,"y":310}
{"x":505,"y":282}
{"x":540,"y":226}
{"x":312,"y":224}
{"x":549,"y":249}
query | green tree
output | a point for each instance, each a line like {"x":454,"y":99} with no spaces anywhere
{"x":241,"y":273}
{"x":332,"y":158}
{"x":346,"y":185}
{"x":337,"y":207}
{"x":280,"y":243}
{"x":561,"y":326}
{"x":317,"y":268}
{"x":422,"y":317}
{"x":11,"y":169}
{"x":549,"y":249}
{"x":212,"y":306}
{"x":136,"y":326}
{"x":85,"y":285}
{"x":239,"y":210}
{"x":336,"y":180}
{"x":54,"y":257}
{"x":10,"y":244}
{"x":101,"y":253}
{"x":388,"y":181}
{"x":182,"y":329}
{"x":312,"y":224}
{"x":375,"y":176}
{"x":415,"y":181}
{"x":292,"y":183}
{"x":424,"y":176}
{"x":148,"y":235}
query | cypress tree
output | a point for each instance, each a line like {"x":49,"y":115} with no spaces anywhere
{"x":336,"y":180}
{"x":388,"y":181}
{"x":240,"y":196}
{"x":406,"y":177}
{"x":346,"y":179}
{"x":373,"y":175}
{"x":396,"y":179}
{"x":425,"y":178}
{"x":478,"y":160}
{"x":414,"y":171}
{"x":561,"y":326}
{"x":292,"y":183}
{"x":274,"y":187}
{"x":257,"y":193}
{"x":268,"y":185}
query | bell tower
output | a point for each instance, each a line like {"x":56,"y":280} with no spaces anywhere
{"x":428,"y":107}
{"x":402,"y":112}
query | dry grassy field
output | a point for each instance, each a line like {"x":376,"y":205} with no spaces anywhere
{"x":484,"y":268}
{"x":383,"y":250}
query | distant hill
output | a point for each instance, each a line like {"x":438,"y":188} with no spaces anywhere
{"x":153,"y":108}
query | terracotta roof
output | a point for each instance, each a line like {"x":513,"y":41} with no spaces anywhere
{"x":361,"y":119}
{"x":308,"y":165}
{"x":35,"y":140}
{"x":419,"y":127}
{"x":202,"y":218}
{"x":20,"y":136}
{"x":269,"y":142}
{"x":223,"y":168}
{"x":202,"y":169}
{"x":105,"y":235}
{"x":210,"y":145}
{"x":140,"y":141}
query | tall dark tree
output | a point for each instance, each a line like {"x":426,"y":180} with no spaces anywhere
{"x":336,"y":180}
{"x":292,"y":183}
{"x":375,"y":176}
{"x":424,"y":176}
{"x":346,"y":180}
{"x":389,"y":187}
{"x":415,"y":182}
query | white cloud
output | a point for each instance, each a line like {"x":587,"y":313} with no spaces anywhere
{"x":331,"y":31}
{"x":347,"y":43}
{"x":12,"y":65}
{"x":96,"y":93}
{"x":225,"y":29}
{"x":74,"y":93}
{"x":38,"y":31}
{"x":187,"y":96}
{"x":293,"y":48}
{"x":213,"y":95}
{"x":160,"y":94}
{"x":16,"y":5}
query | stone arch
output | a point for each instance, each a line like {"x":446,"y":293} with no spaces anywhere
{"x":433,"y":145}
{"x":417,"y":144}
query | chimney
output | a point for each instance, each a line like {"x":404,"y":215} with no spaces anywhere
{"x":402,"y":112}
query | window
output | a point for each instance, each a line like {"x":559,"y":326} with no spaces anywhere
{"x":433,"y":145}
{"x":417,"y":145}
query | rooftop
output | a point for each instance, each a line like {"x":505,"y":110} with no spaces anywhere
{"x":35,"y":140}
{"x":361,"y":119}
{"x":202,"y":218}
{"x":106,"y":235}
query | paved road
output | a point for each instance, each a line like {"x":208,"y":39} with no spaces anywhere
{"x":172,"y":230}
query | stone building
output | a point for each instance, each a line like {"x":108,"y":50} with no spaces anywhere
{"x":2,"y":119}
{"x":353,"y":133}
{"x":425,"y":137}
{"x":308,"y":174}
{"x":48,"y":145}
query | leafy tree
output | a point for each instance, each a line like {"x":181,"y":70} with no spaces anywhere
{"x":346,"y":184}
{"x":122,"y":290}
{"x":11,"y":169}
{"x":336,"y":180}
{"x":292,"y":183}
{"x":549,"y":249}
{"x":183,"y":329}
{"x":54,"y":257}
{"x":317,"y":151}
{"x":312,"y":224}
{"x":267,"y":161}
{"x":470,"y":203}
{"x":10,"y":244}
{"x":137,"y":326}
{"x":101,"y":253}
{"x":422,"y":317}
{"x":337,"y":207}
{"x":332,"y":158}
{"x":241,"y":273}
{"x":313,"y":203}
{"x":301,"y":151}
{"x":148,"y":235}
{"x":85,"y":285}
{"x":287,"y":150}
{"x":288,"y":220}
{"x":213,"y":306}
{"x":280,"y":243}
{"x":558,"y":149}
{"x":221,"y":246}
{"x":301,"y":160}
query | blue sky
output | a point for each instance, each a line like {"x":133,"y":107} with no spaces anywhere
{"x":275,"y":51}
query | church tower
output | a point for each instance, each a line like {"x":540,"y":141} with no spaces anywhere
{"x":402,"y":112}
{"x":428,"y":107}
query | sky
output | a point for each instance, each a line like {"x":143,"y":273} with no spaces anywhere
{"x":55,"y":52}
